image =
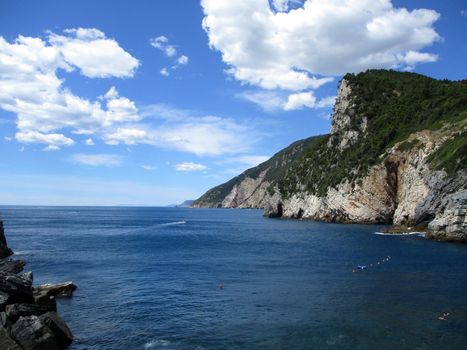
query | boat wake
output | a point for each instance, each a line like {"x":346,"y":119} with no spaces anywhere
{"x":421,"y":234}
{"x":172,"y":223}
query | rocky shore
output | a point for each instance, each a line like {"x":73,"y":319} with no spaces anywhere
{"x":28,"y":315}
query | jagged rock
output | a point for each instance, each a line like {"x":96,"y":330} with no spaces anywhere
{"x":4,"y":250}
{"x":64,"y":289}
{"x":15,"y":285}
{"x":11,"y":266}
{"x":4,"y":321}
{"x":3,"y":299}
{"x":6,"y":343}
{"x":42,"y":298}
{"x":58,"y":327}
{"x":27,"y":276}
{"x":31,"y":333}
{"x":15,"y":311}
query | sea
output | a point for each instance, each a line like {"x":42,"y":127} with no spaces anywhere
{"x":181,"y":278}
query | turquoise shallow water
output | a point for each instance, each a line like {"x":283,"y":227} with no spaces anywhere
{"x":149,"y":279}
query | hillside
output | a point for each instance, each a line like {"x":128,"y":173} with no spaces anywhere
{"x":397,"y":153}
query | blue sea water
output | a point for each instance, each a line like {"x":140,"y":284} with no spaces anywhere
{"x":149,"y":278}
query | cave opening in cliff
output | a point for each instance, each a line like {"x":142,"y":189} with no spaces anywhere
{"x":280,"y":210}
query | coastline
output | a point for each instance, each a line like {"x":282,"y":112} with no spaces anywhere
{"x":28,"y":315}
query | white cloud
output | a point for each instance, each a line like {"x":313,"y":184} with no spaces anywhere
{"x":30,"y":87}
{"x":111,"y":94}
{"x":326,"y":102}
{"x":300,"y":100}
{"x":273,"y":101}
{"x":280,"y":5}
{"x":162,"y":43}
{"x":48,"y":112}
{"x":107,"y":160}
{"x":128,"y":136}
{"x":182,"y":60}
{"x":285,"y":49}
{"x":8,"y":138}
{"x":89,"y":142}
{"x":94,"y":54}
{"x":53,"y":141}
{"x":190,"y":166}
{"x":269,"y":101}
{"x":149,"y":167}
{"x":187,"y":131}
{"x":412,"y":58}
{"x":464,"y":13}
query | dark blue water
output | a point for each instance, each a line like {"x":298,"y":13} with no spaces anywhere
{"x":149,"y":279}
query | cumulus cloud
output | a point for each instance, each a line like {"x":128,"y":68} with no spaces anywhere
{"x":300,"y":100}
{"x":273,"y":101}
{"x":106,"y":160}
{"x":49,"y":113}
{"x":190,"y":166}
{"x":95,"y":55}
{"x":53,"y":141}
{"x":30,"y":86}
{"x":299,"y":49}
{"x":162,"y":43}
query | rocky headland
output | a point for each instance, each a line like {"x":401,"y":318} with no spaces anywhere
{"x":396,"y":154}
{"x":28,"y":315}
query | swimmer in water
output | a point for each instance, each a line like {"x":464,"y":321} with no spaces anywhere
{"x":444,"y":317}
{"x":221,"y":285}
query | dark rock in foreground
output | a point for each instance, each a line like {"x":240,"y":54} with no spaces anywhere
{"x":4,"y":250}
{"x":28,"y":317}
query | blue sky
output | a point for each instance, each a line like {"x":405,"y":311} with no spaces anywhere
{"x":154,"y":102}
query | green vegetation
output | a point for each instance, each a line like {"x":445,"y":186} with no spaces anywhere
{"x":452,"y":155}
{"x":408,"y":145}
{"x":396,"y":105}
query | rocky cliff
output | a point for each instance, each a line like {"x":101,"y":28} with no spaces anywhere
{"x":28,"y":315}
{"x":396,"y":154}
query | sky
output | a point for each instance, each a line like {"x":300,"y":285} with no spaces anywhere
{"x":154,"y":102}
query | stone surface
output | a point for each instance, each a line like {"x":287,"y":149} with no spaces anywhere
{"x":59,"y":328}
{"x":6,"y":343}
{"x":64,"y":289}
{"x":31,"y":333}
{"x":11,"y":266}
{"x":16,"y":285}
{"x":15,"y":311}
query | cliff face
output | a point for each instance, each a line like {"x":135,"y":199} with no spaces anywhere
{"x":396,"y":154}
